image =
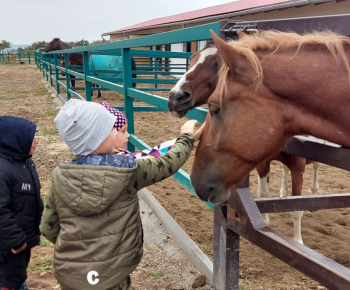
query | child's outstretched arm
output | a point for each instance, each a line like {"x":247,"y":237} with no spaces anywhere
{"x":11,"y":234}
{"x":150,"y":171}
{"x":50,"y":226}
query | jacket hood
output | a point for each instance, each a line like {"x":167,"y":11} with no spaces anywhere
{"x":16,"y":134}
{"x":88,"y":189}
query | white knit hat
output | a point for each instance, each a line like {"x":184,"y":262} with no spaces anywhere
{"x":84,"y":125}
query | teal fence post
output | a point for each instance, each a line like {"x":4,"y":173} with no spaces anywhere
{"x":86,"y":74}
{"x":47,"y":58}
{"x":51,"y":83}
{"x":128,"y":101}
{"x":29,"y":57}
{"x":66,"y":65}
{"x":57,"y":76}
{"x":19,"y":56}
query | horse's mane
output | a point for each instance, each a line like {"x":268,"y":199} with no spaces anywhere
{"x":272,"y":40}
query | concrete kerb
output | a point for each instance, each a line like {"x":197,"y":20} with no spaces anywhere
{"x":193,"y":252}
{"x":62,"y":100}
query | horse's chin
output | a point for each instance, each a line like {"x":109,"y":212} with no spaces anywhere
{"x":179,"y":114}
{"x":219,"y":197}
{"x":211,"y":191}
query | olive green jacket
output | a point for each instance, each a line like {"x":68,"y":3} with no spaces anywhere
{"x":92,"y":215}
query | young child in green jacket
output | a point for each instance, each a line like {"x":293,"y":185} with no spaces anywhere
{"x":91,"y":211}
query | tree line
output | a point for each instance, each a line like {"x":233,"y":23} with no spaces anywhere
{"x":37,"y":44}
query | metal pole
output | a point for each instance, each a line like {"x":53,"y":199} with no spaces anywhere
{"x":66,"y":64}
{"x":128,"y":101}
{"x":86,"y":74}
{"x":57,"y":76}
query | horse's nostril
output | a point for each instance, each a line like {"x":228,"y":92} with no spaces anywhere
{"x":183,"y":96}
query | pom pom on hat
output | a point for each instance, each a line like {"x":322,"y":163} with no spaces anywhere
{"x":121,"y":119}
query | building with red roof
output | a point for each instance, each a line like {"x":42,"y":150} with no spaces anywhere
{"x":237,"y":10}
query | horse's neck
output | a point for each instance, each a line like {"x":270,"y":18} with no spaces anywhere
{"x":314,"y":94}
{"x":62,"y":45}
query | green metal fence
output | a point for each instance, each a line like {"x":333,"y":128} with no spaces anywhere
{"x":49,"y":63}
{"x":18,"y":57}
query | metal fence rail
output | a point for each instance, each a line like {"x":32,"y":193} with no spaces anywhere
{"x":18,"y":57}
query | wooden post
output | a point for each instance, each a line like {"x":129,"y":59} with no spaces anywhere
{"x":226,"y":249}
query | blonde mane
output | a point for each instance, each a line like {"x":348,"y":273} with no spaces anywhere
{"x":272,"y":40}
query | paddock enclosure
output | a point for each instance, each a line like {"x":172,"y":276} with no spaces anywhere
{"x":328,"y":229}
{"x":17,"y":57}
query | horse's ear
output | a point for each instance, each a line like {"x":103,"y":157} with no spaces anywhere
{"x":227,"y":52}
{"x":241,"y":34}
{"x":57,"y":39}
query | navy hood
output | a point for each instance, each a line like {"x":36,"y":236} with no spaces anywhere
{"x":16,"y":134}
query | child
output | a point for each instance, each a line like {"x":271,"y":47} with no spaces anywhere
{"x":121,"y":125}
{"x":20,"y":203}
{"x":92,"y":211}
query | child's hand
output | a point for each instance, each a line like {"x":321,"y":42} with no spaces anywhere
{"x":199,"y":132}
{"x":188,"y":127}
{"x":20,"y":249}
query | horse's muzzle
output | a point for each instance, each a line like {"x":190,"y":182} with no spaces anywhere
{"x":180,"y":102}
{"x":210,"y":191}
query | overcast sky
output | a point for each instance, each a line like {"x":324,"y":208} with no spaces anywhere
{"x":27,"y":21}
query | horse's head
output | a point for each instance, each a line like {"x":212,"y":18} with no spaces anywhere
{"x":197,"y":84}
{"x":240,"y":131}
{"x":53,"y":45}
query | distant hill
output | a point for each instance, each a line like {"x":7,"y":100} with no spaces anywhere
{"x":19,"y":45}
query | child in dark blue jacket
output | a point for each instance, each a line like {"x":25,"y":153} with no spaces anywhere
{"x":20,"y":203}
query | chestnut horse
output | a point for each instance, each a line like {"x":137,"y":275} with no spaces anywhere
{"x":271,"y":87}
{"x":194,"y":88}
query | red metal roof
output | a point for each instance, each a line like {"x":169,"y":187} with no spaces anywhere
{"x":204,"y":12}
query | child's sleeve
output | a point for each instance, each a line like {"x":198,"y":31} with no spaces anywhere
{"x":150,"y":171}
{"x":11,"y":234}
{"x":50,"y":225}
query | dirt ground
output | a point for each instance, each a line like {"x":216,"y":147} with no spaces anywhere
{"x":22,"y":93}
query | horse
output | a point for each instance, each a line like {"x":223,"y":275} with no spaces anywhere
{"x":99,"y":62}
{"x":271,"y":87}
{"x":194,"y":88}
{"x":13,"y":56}
{"x":57,"y":44}
{"x":77,"y":59}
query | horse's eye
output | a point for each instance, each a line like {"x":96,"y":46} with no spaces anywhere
{"x":213,"y":110}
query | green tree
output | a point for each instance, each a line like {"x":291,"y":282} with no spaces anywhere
{"x":4,"y":44}
{"x":99,"y":41}
{"x":82,"y":42}
{"x":36,"y":44}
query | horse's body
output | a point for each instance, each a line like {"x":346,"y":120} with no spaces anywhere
{"x":194,"y":89}
{"x":271,"y":87}
{"x":100,"y":62}
{"x":77,"y":59}
{"x":57,"y":44}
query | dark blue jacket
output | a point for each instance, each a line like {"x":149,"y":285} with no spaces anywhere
{"x":20,"y":203}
